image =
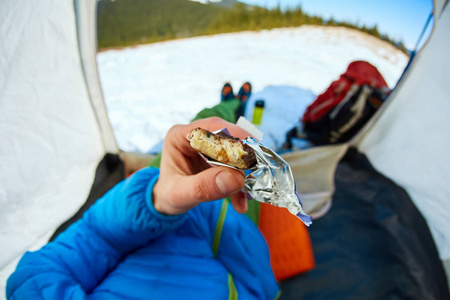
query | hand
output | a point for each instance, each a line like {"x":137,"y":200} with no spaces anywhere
{"x":186,"y":179}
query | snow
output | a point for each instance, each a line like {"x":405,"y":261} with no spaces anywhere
{"x":150,"y":88}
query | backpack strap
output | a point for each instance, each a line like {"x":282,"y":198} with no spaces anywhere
{"x":357,"y":110}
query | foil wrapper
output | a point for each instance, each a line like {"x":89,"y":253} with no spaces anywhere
{"x":271,"y":181}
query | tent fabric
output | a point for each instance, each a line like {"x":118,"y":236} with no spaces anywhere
{"x":409,"y":141}
{"x":313,"y":170}
{"x":372,"y":244}
{"x":85,"y":13}
{"x":439,"y":6}
{"x":50,"y":134}
{"x":110,"y":172}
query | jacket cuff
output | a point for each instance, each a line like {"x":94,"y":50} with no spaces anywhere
{"x":166,"y":222}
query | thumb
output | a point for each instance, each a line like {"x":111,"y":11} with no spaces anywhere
{"x":213,"y":184}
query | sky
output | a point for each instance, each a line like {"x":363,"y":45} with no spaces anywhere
{"x":402,"y":20}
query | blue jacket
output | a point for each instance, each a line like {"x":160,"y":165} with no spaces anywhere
{"x":123,"y":248}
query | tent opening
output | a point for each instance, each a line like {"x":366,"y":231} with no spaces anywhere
{"x":161,"y":62}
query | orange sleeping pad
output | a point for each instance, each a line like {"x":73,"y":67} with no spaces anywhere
{"x":288,"y":240}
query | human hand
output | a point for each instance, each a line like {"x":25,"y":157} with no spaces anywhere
{"x":186,"y":179}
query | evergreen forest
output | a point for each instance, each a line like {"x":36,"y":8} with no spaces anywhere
{"x":123,"y":23}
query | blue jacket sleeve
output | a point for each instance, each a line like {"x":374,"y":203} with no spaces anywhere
{"x":244,"y":253}
{"x":73,"y":264}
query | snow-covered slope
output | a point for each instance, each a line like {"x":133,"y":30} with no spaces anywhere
{"x":150,"y":88}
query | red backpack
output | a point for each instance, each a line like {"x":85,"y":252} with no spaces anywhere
{"x":347,"y":104}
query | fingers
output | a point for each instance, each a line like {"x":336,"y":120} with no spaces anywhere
{"x":214,"y":183}
{"x":187,"y":180}
{"x":178,"y":194}
{"x":240,"y":202}
{"x":227,"y":184}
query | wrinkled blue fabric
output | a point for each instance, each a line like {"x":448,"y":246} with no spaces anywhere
{"x":123,"y":248}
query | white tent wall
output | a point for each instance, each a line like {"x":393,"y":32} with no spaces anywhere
{"x":52,"y":137}
{"x":313,"y":171}
{"x":85,"y":12}
{"x":410,"y":143}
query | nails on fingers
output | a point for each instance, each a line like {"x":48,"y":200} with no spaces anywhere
{"x":227,"y":183}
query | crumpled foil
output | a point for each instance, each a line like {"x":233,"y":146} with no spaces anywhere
{"x":271,"y":181}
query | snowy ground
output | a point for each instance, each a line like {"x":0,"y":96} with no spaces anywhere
{"x":151,"y":87}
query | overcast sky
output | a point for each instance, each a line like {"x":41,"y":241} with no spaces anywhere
{"x":400,"y":19}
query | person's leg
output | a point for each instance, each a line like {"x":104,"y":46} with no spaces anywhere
{"x":244,"y":92}
{"x":227,"y":92}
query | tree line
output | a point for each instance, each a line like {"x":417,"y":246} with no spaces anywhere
{"x":130,"y":22}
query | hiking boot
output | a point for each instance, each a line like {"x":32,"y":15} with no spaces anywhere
{"x":244,"y":92}
{"x":227,"y":92}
